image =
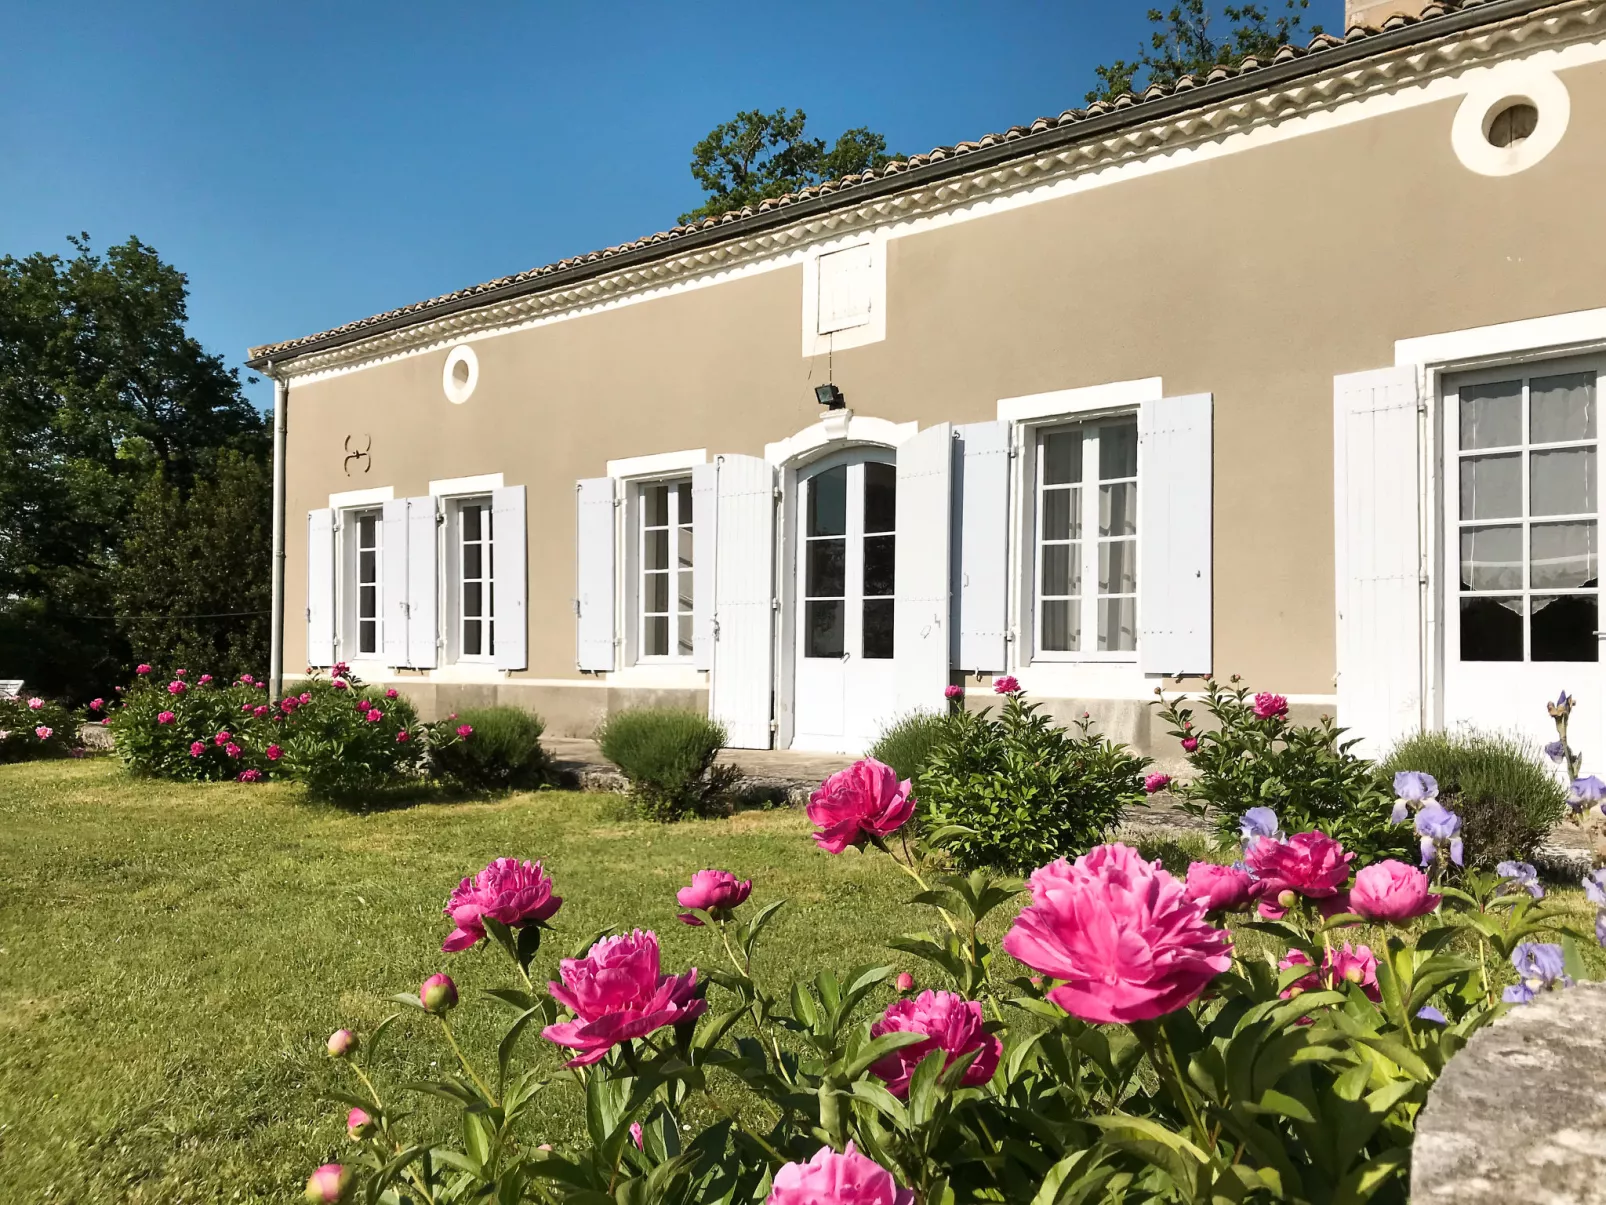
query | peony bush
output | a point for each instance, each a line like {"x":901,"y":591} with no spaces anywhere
{"x":33,"y":727}
{"x":1129,"y":1047}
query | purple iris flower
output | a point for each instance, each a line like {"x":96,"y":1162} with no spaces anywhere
{"x":1428,"y":1013}
{"x":1556,"y":751}
{"x":1539,"y":964}
{"x":1585,"y":791}
{"x":1595,"y":887}
{"x":1257,"y":823}
{"x":1600,"y":927}
{"x":1522,"y":876}
{"x":1434,"y":824}
{"x":1401,"y":812}
{"x":1413,"y":786}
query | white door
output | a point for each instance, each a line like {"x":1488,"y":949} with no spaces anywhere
{"x":1522,"y":617}
{"x":846,"y":691}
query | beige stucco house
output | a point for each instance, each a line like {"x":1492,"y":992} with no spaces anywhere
{"x":1291,"y":371}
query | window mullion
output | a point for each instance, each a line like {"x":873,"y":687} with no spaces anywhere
{"x":1090,"y":541}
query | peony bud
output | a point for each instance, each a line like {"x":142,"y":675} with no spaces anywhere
{"x":906,"y":981}
{"x":438,"y":995}
{"x":391,"y":693}
{"x":1189,"y":744}
{"x":330,"y":1184}
{"x":358,"y":1125}
{"x":342,"y":1044}
{"x":402,"y":738}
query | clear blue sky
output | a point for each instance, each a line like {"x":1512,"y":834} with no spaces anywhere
{"x":308,"y":165}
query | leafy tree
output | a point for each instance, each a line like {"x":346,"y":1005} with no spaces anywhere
{"x":101,"y":388}
{"x":759,"y":155}
{"x":1183,"y":43}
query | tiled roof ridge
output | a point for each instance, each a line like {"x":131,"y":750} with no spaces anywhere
{"x":1128,"y":100}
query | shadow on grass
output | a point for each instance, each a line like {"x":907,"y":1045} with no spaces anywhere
{"x":420,"y":794}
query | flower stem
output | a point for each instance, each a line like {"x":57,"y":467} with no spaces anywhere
{"x":478,"y":1083}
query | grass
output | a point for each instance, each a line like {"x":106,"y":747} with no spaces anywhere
{"x":172,"y":958}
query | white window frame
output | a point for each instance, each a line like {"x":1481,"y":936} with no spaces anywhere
{"x":636,"y":612}
{"x":348,"y":589}
{"x":454,"y":583}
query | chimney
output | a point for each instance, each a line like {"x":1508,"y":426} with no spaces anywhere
{"x":1374,"y":12}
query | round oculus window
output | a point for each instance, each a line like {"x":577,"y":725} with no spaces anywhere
{"x":1512,"y":124}
{"x":461,"y":374}
{"x":1510,"y":119}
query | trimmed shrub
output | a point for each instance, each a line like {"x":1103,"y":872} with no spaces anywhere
{"x":1507,"y":799}
{"x":32,"y":727}
{"x":906,"y":744}
{"x":668,"y":758}
{"x":1307,"y":774}
{"x":1016,"y":791}
{"x":504,"y":753}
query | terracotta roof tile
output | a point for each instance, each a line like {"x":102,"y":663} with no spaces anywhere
{"x":1154,"y":92}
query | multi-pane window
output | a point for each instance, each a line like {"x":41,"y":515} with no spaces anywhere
{"x":666,"y":569}
{"x":880,"y":557}
{"x":1085,"y":558}
{"x":1528,"y":513}
{"x":476,"y":597}
{"x":850,"y":561}
{"x":361,"y":535}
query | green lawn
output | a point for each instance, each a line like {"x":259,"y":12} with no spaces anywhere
{"x":173,"y":957}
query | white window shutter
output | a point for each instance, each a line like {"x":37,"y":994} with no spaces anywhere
{"x":393,"y":589}
{"x":981,"y":491}
{"x":510,"y":578}
{"x":1175,"y":503}
{"x":845,"y":288}
{"x":321,"y":587}
{"x":1378,"y":555}
{"x":920,"y":608}
{"x":595,"y":558}
{"x":741,"y":681}
{"x":422,"y":583}
{"x":704,"y":529}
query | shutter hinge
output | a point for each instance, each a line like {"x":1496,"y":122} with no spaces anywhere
{"x":777,"y":493}
{"x":775,"y":725}
{"x":309,"y":614}
{"x":714,"y":627}
{"x":775,"y":604}
{"x":577,"y":608}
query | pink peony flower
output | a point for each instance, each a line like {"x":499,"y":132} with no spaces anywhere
{"x":341,"y":684}
{"x":262,"y":686}
{"x":391,"y":693}
{"x":1007,"y":685}
{"x":1269,"y":706}
{"x":905,"y":981}
{"x":247,"y":679}
{"x":832,"y":1179}
{"x":205,"y":678}
{"x":288,"y":706}
{"x":365,"y":705}
{"x":402,"y":738}
{"x":438,"y":994}
{"x":375,"y":715}
{"x":1121,"y":933}
{"x":1305,"y":983}
{"x":358,"y":1125}
{"x":331,"y":1184}
{"x":954,"y":1025}
{"x":176,"y":687}
{"x":953,"y":691}
{"x":44,"y":733}
{"x":197,"y":748}
{"x":617,"y":993}
{"x":181,"y":672}
{"x":863,"y":803}
{"x":245,"y":707}
{"x":342,"y":1043}
{"x":513,"y":892}
{"x":232,"y":749}
{"x":1156,"y":782}
{"x":1391,"y":891}
{"x":636,"y":1135}
{"x":97,"y":704}
{"x":35,"y":704}
{"x":1219,"y":888}
{"x":259,"y":710}
{"x":223,"y":737}
{"x":304,"y":697}
{"x":249,"y":776}
{"x":1308,"y":864}
{"x":716,"y":891}
{"x":274,"y":752}
{"x":465,"y":730}
{"x":1189,"y":744}
{"x":341,"y":670}
{"x":142,"y":669}
{"x":1347,"y":965}
{"x":165,"y":717}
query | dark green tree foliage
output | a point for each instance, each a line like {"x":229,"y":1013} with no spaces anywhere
{"x":101,"y":388}
{"x":759,"y":155}
{"x":1185,"y":42}
{"x":205,"y":557}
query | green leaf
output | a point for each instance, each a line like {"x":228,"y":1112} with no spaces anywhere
{"x":529,"y":944}
{"x":515,"y":998}
{"x":749,"y":938}
{"x":409,"y":1000}
{"x":372,"y":1045}
{"x":504,"y":1051}
{"x":876,"y":1049}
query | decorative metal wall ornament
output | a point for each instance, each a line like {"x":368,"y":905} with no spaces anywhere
{"x":361,"y":455}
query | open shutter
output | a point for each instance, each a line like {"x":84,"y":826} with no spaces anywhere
{"x":920,"y":608}
{"x":393,"y":589}
{"x":1378,"y":555}
{"x":741,"y":685}
{"x":1175,"y":494}
{"x":422,"y":585}
{"x":510,"y":581}
{"x":981,"y":557}
{"x":321,"y":587}
{"x":704,"y":526}
{"x":594,"y":558}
